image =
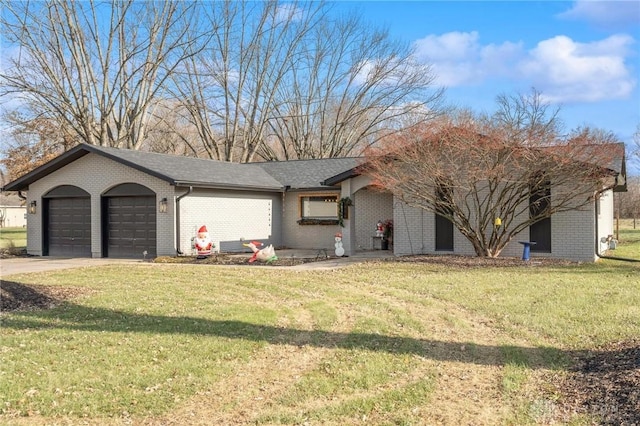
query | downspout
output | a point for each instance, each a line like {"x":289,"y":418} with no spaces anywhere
{"x":287,"y":188}
{"x":178,"y":217}
{"x":623,"y":259}
{"x":22,"y":197}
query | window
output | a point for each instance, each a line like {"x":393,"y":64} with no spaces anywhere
{"x":321,"y":207}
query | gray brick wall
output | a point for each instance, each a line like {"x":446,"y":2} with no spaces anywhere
{"x":369,"y":207}
{"x":572,"y":233}
{"x":409,"y":233}
{"x":305,"y":236}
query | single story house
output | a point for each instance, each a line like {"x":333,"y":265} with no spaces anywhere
{"x":13,"y":216}
{"x":94,"y":201}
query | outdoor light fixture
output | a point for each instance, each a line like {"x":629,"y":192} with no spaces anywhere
{"x":32,"y":207}
{"x":163,"y":205}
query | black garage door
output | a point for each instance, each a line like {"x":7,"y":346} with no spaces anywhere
{"x":68,"y":230}
{"x":130,"y":227}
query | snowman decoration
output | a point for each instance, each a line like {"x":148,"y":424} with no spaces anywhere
{"x":379,"y":229}
{"x":338,"y":244}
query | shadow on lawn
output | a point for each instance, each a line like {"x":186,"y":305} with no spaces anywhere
{"x":77,"y":317}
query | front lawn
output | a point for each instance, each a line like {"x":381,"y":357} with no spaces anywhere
{"x":13,"y":238}
{"x":376,"y":343}
{"x":629,"y":243}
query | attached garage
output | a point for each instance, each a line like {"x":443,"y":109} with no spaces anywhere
{"x":129,"y":222}
{"x":67,"y":218}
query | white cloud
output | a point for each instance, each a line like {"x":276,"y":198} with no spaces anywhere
{"x":289,"y":12}
{"x":604,"y":13}
{"x":449,"y":46}
{"x":562,"y":69}
{"x":568,"y":71}
{"x":458,"y":58}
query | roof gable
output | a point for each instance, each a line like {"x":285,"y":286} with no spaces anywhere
{"x":176,"y":170}
{"x":181,"y":170}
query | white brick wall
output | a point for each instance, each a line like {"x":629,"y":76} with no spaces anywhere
{"x":415,"y":233}
{"x":605,"y":219}
{"x":96,"y":175}
{"x":230,"y":218}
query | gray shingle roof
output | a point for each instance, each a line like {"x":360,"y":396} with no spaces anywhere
{"x":189,"y":171}
{"x":267,"y":176}
{"x":180,"y":170}
{"x":307,"y":174}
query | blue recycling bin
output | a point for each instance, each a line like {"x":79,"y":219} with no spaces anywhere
{"x":527,"y":249}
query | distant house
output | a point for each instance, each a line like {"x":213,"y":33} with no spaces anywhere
{"x":103,"y":202}
{"x":13,"y":216}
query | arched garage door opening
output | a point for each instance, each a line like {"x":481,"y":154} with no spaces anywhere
{"x":129,"y":222}
{"x":67,"y":222}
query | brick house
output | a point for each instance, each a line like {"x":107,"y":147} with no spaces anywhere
{"x":103,"y":202}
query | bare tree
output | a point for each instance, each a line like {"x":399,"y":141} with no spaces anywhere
{"x":636,"y":145}
{"x":474,"y":169}
{"x":170,"y":133}
{"x":32,"y":142}
{"x":629,"y":202}
{"x":525,"y":119}
{"x":229,"y":91}
{"x":351,"y":86}
{"x":96,"y":66}
{"x":285,"y":81}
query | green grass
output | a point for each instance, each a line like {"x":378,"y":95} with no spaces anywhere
{"x":377,"y":343}
{"x":629,"y":240}
{"x":15,"y":237}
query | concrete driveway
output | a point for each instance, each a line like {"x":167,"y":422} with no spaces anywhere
{"x":20,"y":265}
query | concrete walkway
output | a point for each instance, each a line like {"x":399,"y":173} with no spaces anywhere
{"x":20,"y":265}
{"x":334,"y":262}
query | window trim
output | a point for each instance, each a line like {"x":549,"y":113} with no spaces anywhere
{"x":312,"y":220}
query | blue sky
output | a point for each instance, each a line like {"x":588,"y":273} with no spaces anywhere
{"x":581,"y":55}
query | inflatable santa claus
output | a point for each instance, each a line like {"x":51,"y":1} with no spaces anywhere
{"x":203,"y":242}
